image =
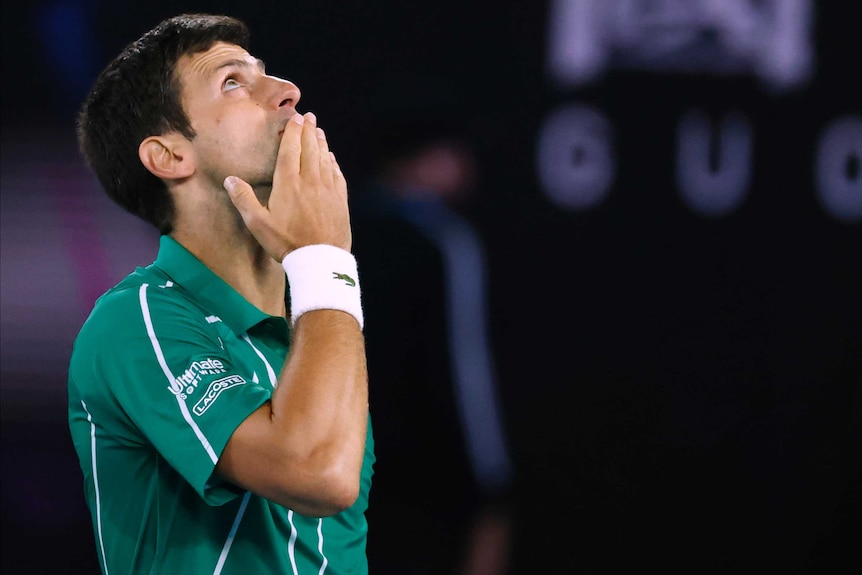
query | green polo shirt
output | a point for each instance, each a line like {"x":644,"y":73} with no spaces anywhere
{"x":167,"y":365}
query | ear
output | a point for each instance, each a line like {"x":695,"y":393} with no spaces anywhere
{"x":168,"y":156}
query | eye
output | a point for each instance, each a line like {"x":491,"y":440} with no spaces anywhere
{"x":230,"y":84}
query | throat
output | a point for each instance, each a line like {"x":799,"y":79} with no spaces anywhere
{"x":262,"y":283}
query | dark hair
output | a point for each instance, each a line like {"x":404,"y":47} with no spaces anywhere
{"x":139,"y":95}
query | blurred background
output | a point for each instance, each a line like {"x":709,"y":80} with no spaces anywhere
{"x":670,"y":198}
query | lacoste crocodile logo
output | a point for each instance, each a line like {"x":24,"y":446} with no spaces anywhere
{"x":345,"y":278}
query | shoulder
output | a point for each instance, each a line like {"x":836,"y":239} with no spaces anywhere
{"x":123,"y":317}
{"x":132,"y":331}
{"x":144,"y":290}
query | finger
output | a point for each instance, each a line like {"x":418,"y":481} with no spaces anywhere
{"x":256,"y":217}
{"x":327,"y":172}
{"x":243,"y":198}
{"x":340,"y":181}
{"x":291,"y":147}
{"x":309,"y":162}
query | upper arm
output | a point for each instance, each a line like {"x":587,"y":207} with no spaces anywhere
{"x":152,"y":363}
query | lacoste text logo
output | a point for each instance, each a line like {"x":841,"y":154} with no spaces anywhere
{"x":345,"y":278}
{"x":214,"y":390}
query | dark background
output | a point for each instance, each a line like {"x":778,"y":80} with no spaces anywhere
{"x":682,"y":391}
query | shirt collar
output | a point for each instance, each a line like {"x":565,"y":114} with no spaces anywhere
{"x":211,"y":291}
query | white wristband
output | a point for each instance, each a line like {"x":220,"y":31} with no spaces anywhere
{"x":322,"y":276}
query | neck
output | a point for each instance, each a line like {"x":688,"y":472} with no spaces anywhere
{"x":232,"y":253}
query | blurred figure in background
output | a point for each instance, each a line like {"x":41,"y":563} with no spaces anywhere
{"x":442,"y":502}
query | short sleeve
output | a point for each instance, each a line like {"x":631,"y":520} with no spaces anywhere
{"x":160,"y":370}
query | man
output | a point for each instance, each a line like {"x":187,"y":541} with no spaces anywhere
{"x":431,"y":355}
{"x":218,"y":398}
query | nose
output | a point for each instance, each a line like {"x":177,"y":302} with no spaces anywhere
{"x":285,"y":94}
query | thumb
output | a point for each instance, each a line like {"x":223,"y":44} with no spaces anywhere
{"x":256,"y":217}
{"x":242,"y":196}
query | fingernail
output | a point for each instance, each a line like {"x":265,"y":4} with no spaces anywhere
{"x":298,"y":118}
{"x":312,"y":118}
{"x":230,"y":183}
{"x":320,"y":134}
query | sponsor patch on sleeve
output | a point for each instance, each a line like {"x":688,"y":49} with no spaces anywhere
{"x":214,"y":390}
{"x":187,"y":382}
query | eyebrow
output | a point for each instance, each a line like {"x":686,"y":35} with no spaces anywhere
{"x":239,"y":63}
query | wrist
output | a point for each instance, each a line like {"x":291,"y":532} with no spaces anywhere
{"x":322,"y":276}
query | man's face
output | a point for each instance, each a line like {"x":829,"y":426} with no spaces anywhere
{"x":238,"y":113}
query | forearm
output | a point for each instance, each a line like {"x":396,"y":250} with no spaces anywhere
{"x":304,"y":448}
{"x":320,"y":406}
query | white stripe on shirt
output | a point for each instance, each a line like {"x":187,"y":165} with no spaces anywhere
{"x":227,"y":544}
{"x":96,"y":485}
{"x":145,"y":309}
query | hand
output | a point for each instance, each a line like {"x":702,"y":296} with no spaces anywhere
{"x":308,"y":202}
